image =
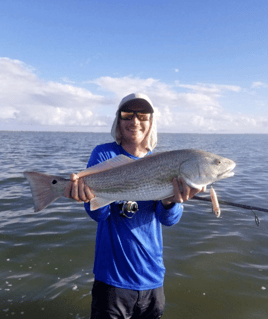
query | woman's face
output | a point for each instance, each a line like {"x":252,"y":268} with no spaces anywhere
{"x":134,"y":131}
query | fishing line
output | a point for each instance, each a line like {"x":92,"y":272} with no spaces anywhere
{"x":257,"y":221}
{"x":222,"y":202}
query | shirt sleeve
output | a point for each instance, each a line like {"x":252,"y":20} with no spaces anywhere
{"x":170,"y":216}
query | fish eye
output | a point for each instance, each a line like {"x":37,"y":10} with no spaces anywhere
{"x":218,"y":161}
{"x":54,"y":181}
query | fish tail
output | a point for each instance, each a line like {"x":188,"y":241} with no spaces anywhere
{"x":45,"y":188}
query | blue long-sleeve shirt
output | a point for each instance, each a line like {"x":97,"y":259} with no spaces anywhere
{"x":129,"y":252}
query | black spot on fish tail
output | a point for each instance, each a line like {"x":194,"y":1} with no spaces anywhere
{"x":43,"y":191}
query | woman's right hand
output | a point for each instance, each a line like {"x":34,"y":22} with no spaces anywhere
{"x":78,"y":190}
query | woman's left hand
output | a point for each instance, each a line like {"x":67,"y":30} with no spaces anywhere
{"x":182,"y":192}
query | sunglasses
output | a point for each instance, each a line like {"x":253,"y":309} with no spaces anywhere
{"x":127,"y":116}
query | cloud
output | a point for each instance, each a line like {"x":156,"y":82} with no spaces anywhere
{"x":258,"y":84}
{"x":28,"y":100}
{"x":67,"y":80}
{"x":211,"y":89}
{"x":163,"y":94}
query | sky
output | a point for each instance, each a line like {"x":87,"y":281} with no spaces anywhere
{"x":66,"y":65}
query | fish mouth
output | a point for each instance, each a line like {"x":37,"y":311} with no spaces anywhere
{"x":227,"y":173}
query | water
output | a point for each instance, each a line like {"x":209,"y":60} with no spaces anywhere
{"x":216,"y":268}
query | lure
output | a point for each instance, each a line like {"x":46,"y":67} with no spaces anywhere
{"x":215,"y":203}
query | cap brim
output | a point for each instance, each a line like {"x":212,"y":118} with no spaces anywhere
{"x":141,"y":102}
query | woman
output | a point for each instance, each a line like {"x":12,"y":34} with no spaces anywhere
{"x":128,"y":268}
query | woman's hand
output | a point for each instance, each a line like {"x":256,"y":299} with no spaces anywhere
{"x":182,"y":192}
{"x":78,"y":190}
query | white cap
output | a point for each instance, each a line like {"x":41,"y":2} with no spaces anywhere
{"x":143,"y":99}
{"x":115,"y":131}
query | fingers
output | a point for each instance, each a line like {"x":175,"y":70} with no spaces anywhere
{"x":81,"y":190}
{"x":195,"y":191}
{"x":74,"y":192}
{"x":183,"y":192}
{"x":88,"y":193}
{"x":84,"y":191}
{"x":178,"y":193}
{"x":78,"y":190}
{"x":177,"y":187}
{"x":186,"y":190}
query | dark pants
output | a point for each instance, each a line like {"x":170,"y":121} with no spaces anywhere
{"x":110,"y":302}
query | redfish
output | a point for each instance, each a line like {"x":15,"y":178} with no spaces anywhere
{"x":148,"y":178}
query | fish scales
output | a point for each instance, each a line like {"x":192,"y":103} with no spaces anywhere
{"x":147,"y":178}
{"x":144,"y":179}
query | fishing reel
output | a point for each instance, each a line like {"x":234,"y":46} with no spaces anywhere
{"x":128,"y":209}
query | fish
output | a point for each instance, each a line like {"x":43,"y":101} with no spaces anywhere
{"x":122,"y":178}
{"x":215,"y":203}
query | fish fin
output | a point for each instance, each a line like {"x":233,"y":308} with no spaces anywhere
{"x":104,"y":166}
{"x":98,"y":202}
{"x":42,"y":191}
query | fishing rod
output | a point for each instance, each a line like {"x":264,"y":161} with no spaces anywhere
{"x":232,"y":204}
{"x":222,"y":202}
